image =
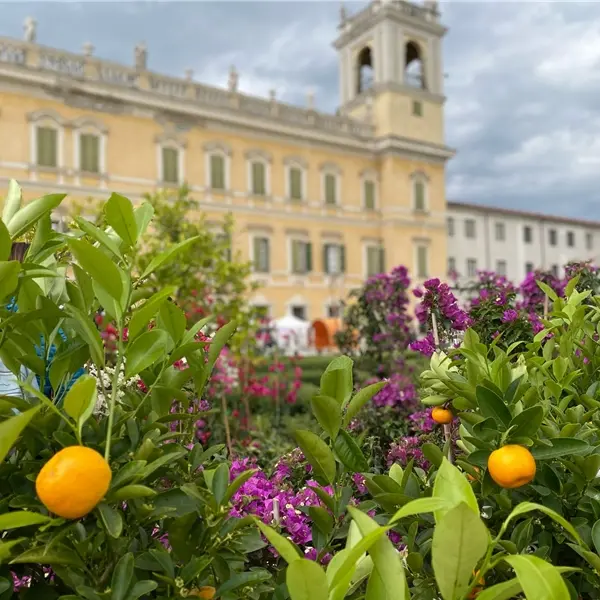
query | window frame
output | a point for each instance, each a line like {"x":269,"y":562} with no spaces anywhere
{"x":222,"y":150}
{"x":505,"y":269}
{"x":552,"y":237}
{"x":571,"y":239}
{"x":472,"y":262}
{"x":369,"y":176}
{"x":176,"y":148}
{"x":255,"y":259}
{"x":450,"y":226}
{"x":468,"y":222}
{"x":418,"y":247}
{"x":253,"y":158}
{"x":47,"y":119}
{"x":295,"y":163}
{"x":331,"y":171}
{"x":499,"y":226}
{"x":527,"y":234}
{"x":419,"y":178}
{"x":340,"y":251}
{"x":382,"y":259}
{"x":308,"y":264}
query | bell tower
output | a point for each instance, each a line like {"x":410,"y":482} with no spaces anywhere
{"x":390,"y":68}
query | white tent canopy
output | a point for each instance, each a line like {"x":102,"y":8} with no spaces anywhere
{"x":291,"y":334}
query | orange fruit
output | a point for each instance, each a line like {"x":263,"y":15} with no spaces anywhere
{"x":476,"y":591}
{"x":206,"y":592}
{"x":471,"y":477}
{"x":73,"y":481}
{"x":511,"y":466}
{"x":443,"y":416}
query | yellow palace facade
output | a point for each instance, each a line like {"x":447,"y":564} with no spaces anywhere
{"x":320,"y":201}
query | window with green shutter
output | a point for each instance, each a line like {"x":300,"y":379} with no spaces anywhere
{"x":89,"y":153}
{"x":369,"y":191}
{"x":419,"y":188}
{"x":259,"y":177}
{"x":261,"y":255}
{"x":422,"y":260}
{"x":330,"y":189}
{"x":217,"y":172}
{"x":47,"y":147}
{"x":301,"y":257}
{"x":375,"y":260}
{"x":334,"y":259}
{"x":295,"y":175}
{"x":224,"y":241}
{"x":170,"y":165}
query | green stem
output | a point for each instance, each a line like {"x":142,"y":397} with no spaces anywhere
{"x":113,"y":395}
{"x":42,"y":398}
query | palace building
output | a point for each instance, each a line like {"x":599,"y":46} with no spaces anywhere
{"x":320,"y":201}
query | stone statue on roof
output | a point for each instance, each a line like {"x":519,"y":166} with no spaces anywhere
{"x":30,"y":30}
{"x":141,"y":57}
{"x":234,"y":79}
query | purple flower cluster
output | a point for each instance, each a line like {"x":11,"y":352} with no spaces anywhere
{"x":406,"y":449}
{"x":399,"y":392}
{"x":425,"y":346}
{"x":531,"y":294}
{"x":268,"y":498}
{"x":438,"y":297}
{"x":421,"y":421}
{"x":510,"y":315}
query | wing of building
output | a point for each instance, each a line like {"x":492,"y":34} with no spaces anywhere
{"x":320,"y":200}
{"x":514,"y":242}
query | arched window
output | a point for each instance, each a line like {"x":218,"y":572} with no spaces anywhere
{"x":364,"y":70}
{"x":47,"y":134}
{"x":414,"y":72}
{"x":218,"y":166}
{"x":89,"y":146}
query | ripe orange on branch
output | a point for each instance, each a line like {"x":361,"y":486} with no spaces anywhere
{"x":73,"y":481}
{"x":511,"y":466}
{"x":443,"y":416}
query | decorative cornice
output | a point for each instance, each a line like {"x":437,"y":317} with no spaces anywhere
{"x":295,"y":161}
{"x":168,"y":137}
{"x":87,"y":121}
{"x":46,"y":113}
{"x":330,"y":167}
{"x":220,"y":147}
{"x":419,"y":175}
{"x":256,"y":154}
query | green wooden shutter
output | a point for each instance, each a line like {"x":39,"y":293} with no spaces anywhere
{"x":419,"y":195}
{"x":422,"y":261}
{"x":256,"y":244}
{"x":47,"y":147}
{"x":342,"y":258}
{"x":308,"y":247}
{"x":267,"y":255}
{"x":295,"y":256}
{"x":170,"y":158}
{"x":369,"y":195}
{"x":217,"y":172}
{"x":381,"y":260}
{"x":371,"y":258}
{"x":295,"y":184}
{"x":258,"y":179}
{"x":326,"y":265}
{"x":89,"y":153}
{"x":330,"y":196}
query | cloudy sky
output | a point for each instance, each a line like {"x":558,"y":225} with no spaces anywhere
{"x":523,"y":79}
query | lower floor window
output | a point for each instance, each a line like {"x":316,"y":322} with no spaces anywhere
{"x":299,"y":311}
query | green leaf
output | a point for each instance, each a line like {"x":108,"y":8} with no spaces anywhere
{"x":317,"y":453}
{"x":501,"y":591}
{"x":237,"y":483}
{"x":141,"y":588}
{"x":144,"y":351}
{"x":360,"y":399}
{"x":5,"y":242}
{"x":460,"y":539}
{"x":9,"y":277}
{"x":89,"y":332}
{"x":350,"y":455}
{"x":101,"y":268}
{"x":167,"y":256}
{"x":420,"y":506}
{"x":220,"y":482}
{"x":321,"y":518}
{"x":122,"y":577}
{"x":336,"y":381}
{"x":238,"y":580}
{"x":596,"y":535}
{"x":433,"y":454}
{"x":452,"y":486}
{"x":81,"y":399}
{"x":539,"y":579}
{"x":388,"y":570}
{"x":132,"y":492}
{"x":143,"y":215}
{"x":547,"y":290}
{"x":112,"y":520}
{"x":120,"y":216}
{"x":172,"y":319}
{"x":100,"y":236}
{"x":527,"y":423}
{"x":328,"y":413}
{"x":25,"y":218}
{"x":11,"y":429}
{"x":306,"y":580}
{"x":12,"y":202}
{"x":560,"y":447}
{"x":492,"y":405}
{"x":396,"y":473}
{"x":53,"y":556}
{"x":142,"y":315}
{"x":527,"y":507}
{"x":571,"y":285}
{"x":283,"y":546}
{"x":21,"y":518}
